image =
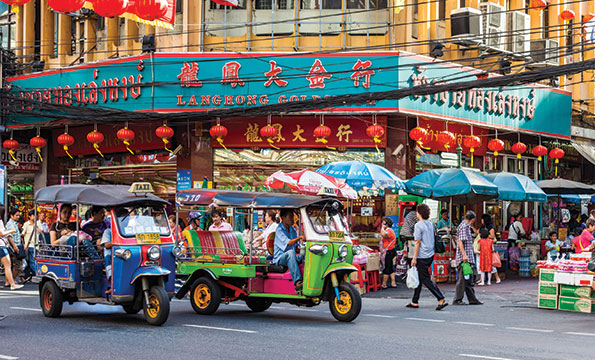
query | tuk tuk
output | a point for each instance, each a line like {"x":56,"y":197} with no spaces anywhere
{"x":142,"y":260}
{"x":220,"y":267}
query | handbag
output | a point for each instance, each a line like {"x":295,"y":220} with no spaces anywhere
{"x":21,"y":254}
{"x":438,"y":243}
{"x":496,"y":260}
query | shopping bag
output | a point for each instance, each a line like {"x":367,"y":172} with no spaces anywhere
{"x":496,"y":260}
{"x":412,"y":278}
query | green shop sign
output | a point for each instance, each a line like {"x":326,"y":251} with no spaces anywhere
{"x":170,"y":82}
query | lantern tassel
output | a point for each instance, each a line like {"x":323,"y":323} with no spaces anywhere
{"x":271,"y":141}
{"x":323,"y":140}
{"x":539,"y":165}
{"x":556,"y":171}
{"x":165,"y":142}
{"x":38,"y":149}
{"x":472,"y":150}
{"x":220,"y":141}
{"x":66,"y":151}
{"x":96,"y":146}
{"x":376,"y":142}
{"x":12,"y":152}
{"x":127,"y":146}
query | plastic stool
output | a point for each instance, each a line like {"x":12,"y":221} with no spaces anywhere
{"x":373,"y":281}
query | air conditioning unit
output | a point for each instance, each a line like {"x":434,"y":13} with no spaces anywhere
{"x":493,"y":22}
{"x":519,"y":34}
{"x":465,"y":26}
{"x":544,"y":52}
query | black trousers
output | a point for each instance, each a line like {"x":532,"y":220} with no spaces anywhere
{"x":465,"y":286}
{"x":388,"y":262}
{"x":425,"y":279}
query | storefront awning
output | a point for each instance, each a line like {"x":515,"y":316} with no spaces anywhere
{"x":586,"y":148}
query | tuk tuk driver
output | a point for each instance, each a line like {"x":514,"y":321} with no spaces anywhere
{"x":286,"y":239}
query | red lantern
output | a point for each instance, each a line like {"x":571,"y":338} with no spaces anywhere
{"x":12,"y":146}
{"x":496,"y":145}
{"x":66,"y":140}
{"x":38,"y":143}
{"x":539,"y":4}
{"x":269,"y":132}
{"x":126,"y":136}
{"x":15,"y":2}
{"x":110,"y":8}
{"x":95,"y":138}
{"x":375,"y":131}
{"x":588,"y":17}
{"x":556,"y":154}
{"x":219,"y":132}
{"x":165,"y":133}
{"x":322,"y":131}
{"x":518,"y":149}
{"x":66,"y":6}
{"x":446,"y":139}
{"x":539,"y":151}
{"x":418,"y":134}
{"x":149,"y":9}
{"x":567,"y":15}
{"x":471,"y":142}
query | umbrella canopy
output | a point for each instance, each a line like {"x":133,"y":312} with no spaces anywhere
{"x":310,"y":182}
{"x":565,"y":187}
{"x":359,"y":174}
{"x":516,"y":187}
{"x":460,"y":185}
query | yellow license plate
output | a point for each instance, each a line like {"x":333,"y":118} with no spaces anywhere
{"x":336,"y":236}
{"x":148,"y":238}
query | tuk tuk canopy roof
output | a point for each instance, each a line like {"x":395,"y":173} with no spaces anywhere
{"x":100,"y":195}
{"x":244,"y":199}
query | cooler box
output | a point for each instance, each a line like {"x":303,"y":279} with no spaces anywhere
{"x":440,"y":269}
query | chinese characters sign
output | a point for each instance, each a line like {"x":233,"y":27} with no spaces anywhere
{"x":298,"y":131}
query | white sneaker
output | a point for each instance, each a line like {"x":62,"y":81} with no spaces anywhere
{"x":489,"y":283}
{"x":480,"y":284}
{"x":498,"y":281}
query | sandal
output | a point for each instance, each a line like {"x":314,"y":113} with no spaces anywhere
{"x":16,"y":287}
{"x":440,"y":307}
{"x":410,"y":305}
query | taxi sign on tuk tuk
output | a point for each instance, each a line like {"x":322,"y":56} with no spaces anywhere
{"x":336,"y":235}
{"x":141,"y":187}
{"x":148,"y":238}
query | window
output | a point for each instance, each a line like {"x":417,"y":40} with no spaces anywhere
{"x":415,"y":18}
{"x":325,"y":217}
{"x":441,"y":9}
{"x":8,"y":31}
{"x":142,"y":220}
{"x":316,"y":4}
{"x":241,"y":6}
{"x":546,"y":22}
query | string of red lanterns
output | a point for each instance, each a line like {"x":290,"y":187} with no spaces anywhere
{"x":66,"y":6}
{"x":145,"y":9}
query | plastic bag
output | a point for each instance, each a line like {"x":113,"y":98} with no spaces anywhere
{"x":412,"y":278}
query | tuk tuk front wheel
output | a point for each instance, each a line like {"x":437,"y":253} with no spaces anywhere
{"x":349,"y":304}
{"x":205,"y":296}
{"x":258,"y":305}
{"x":51,"y":299}
{"x":158,"y":310}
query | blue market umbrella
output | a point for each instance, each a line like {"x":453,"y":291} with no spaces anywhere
{"x":359,"y":174}
{"x":516,"y":187}
{"x":459,"y":185}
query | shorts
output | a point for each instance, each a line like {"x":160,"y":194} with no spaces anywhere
{"x":4,"y":252}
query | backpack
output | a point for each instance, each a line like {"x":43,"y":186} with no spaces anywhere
{"x":439,"y":247}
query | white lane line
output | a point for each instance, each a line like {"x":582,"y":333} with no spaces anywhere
{"x":429,"y":320}
{"x":528,"y":329}
{"x":221,"y":329}
{"x":24,"y":308}
{"x":380,"y":316}
{"x":233,"y":304}
{"x":22,"y":292}
{"x":15,"y":297}
{"x":472,"y":323}
{"x":301,"y":309}
{"x":484,"y":357}
{"x":579,"y":333}
{"x":8,"y":357}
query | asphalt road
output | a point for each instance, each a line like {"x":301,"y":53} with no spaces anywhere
{"x":508,"y":326}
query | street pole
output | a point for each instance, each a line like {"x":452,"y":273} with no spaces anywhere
{"x":460,"y":156}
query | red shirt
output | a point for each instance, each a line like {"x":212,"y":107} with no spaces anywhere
{"x":389,"y":242}
{"x":581,"y":243}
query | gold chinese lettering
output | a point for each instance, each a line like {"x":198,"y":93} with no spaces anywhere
{"x":344,"y":131}
{"x":251,"y":133}
{"x":279,"y":136}
{"x":298,"y":134}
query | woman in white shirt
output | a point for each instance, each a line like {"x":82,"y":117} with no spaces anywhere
{"x":260,"y":242}
{"x":5,"y":257}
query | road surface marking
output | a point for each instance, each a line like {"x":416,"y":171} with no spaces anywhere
{"x":234,"y":304}
{"x":8,"y":357}
{"x":472,"y":323}
{"x":300,"y":309}
{"x":24,"y":308}
{"x":3,"y":297}
{"x":21,"y":292}
{"x":528,"y":329}
{"x":430,"y":320}
{"x":484,"y":357}
{"x":220,"y":328}
{"x":579,"y":333}
{"x":380,"y":316}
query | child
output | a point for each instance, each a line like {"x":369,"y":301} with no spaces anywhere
{"x":552,"y":246}
{"x":486,"y":248}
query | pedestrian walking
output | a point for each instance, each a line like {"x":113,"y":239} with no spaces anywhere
{"x":486,"y":221}
{"x":29,"y":236}
{"x":387,"y":248}
{"x":486,"y":248}
{"x":15,"y":256}
{"x":423,"y":255}
{"x":5,"y":256}
{"x":465,"y":255}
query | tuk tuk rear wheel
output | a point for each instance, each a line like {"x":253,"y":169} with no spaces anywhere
{"x":205,"y":296}
{"x":258,"y":305}
{"x":51,"y":299}
{"x":350,"y":304}
{"x":158,"y":311}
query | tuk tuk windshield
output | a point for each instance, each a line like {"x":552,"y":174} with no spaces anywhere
{"x":325,"y":219}
{"x":134,"y":220}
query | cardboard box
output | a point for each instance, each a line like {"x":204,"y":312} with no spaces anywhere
{"x":584,"y":292}
{"x":362,"y":290}
{"x":575,"y":304}
{"x":547,"y":275}
{"x":583,"y":280}
{"x":373,"y":262}
{"x":548,"y":288}
{"x":547,"y":302}
{"x":563,"y":278}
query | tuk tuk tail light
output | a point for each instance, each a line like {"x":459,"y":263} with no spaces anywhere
{"x":176,"y":251}
{"x":357,"y":250}
{"x":319,"y":249}
{"x":154,"y":253}
{"x":343,"y":250}
{"x":123,"y":254}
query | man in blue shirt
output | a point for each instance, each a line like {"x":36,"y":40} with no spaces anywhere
{"x":286,"y":240}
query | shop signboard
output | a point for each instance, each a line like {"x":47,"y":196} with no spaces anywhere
{"x":184,"y":180}
{"x":26,"y":156}
{"x":176,"y":82}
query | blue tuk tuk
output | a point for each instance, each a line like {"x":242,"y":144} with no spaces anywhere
{"x":142,"y":260}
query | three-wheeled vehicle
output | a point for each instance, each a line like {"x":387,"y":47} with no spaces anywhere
{"x":220,"y":267}
{"x":142,"y":257}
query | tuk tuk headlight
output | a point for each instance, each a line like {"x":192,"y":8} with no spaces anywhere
{"x":319,"y":249}
{"x":343,"y":250}
{"x":176,"y":251}
{"x":123,"y":254}
{"x":357,"y":250}
{"x":154,"y":253}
